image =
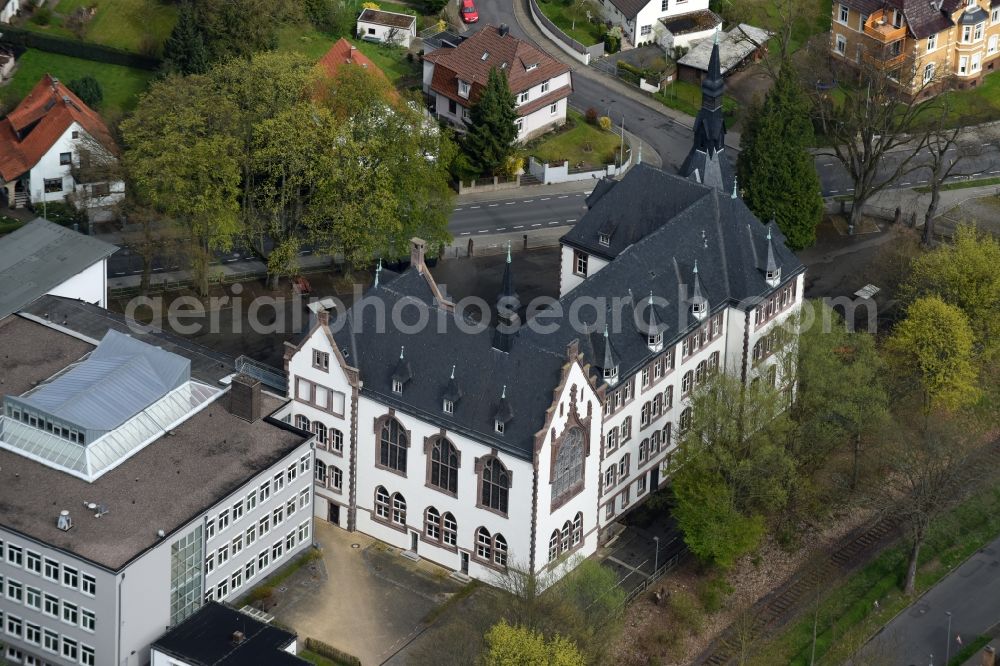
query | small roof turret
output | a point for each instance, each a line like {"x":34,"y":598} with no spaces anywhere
{"x":504,"y":412}
{"x":772,"y":271}
{"x":403,"y":373}
{"x":699,"y":304}
{"x":609,"y":360}
{"x":453,"y":392}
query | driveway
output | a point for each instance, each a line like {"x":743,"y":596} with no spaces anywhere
{"x":362,"y":597}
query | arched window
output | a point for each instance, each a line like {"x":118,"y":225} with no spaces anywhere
{"x":495,"y":482}
{"x":577,"y":529}
{"x":484,"y":545}
{"x":381,"y":503}
{"x":568,"y":471}
{"x":668,"y":397}
{"x":700,"y":372}
{"x":336,"y":477}
{"x":302,"y":423}
{"x":321,"y":434}
{"x":398,"y":509}
{"x":432,"y":524}
{"x":554,"y":545}
{"x":500,"y":550}
{"x":564,"y":537}
{"x":644,"y":415}
{"x":657,"y":405}
{"x":449,"y":529}
{"x":758,"y":350}
{"x":713,"y":361}
{"x":444,"y":466}
{"x":685,"y":420}
{"x":772,"y":376}
{"x":665,"y":439}
{"x":686,"y":382}
{"x":336,"y":440}
{"x":392,"y":446}
{"x":319,"y":472}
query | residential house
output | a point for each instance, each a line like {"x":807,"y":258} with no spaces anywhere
{"x":141,"y":477}
{"x":374,"y":25}
{"x":679,"y":22}
{"x":9,"y":9}
{"x":454,"y":78}
{"x":41,"y":142}
{"x":481,"y":447}
{"x":344,"y":53}
{"x":44,"y":258}
{"x":923,"y":43}
{"x":742,"y":44}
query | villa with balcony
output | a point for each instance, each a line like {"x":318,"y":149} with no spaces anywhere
{"x":922,"y":43}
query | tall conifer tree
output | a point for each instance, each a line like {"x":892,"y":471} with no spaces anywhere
{"x":491,"y":136}
{"x":184,"y":51}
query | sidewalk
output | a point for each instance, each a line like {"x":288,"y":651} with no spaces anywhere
{"x":911,"y":201}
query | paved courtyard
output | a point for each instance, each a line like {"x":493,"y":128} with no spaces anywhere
{"x":650,"y":539}
{"x":362,"y":597}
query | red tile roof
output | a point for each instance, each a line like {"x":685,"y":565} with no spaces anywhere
{"x":344,"y":53}
{"x":30,"y":130}
{"x":524,"y":65}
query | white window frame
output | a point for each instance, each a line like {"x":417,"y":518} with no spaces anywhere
{"x":463,"y":89}
{"x":932,"y":42}
{"x":991,"y":45}
{"x":844,"y":14}
{"x":963,"y":65}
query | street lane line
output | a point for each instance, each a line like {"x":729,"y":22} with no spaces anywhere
{"x":465,"y":233}
{"x":121,"y":273}
{"x":520,"y":226}
{"x":457,"y":209}
{"x":565,"y":196}
{"x":528,"y":201}
{"x":537,"y":224}
{"x":502,"y":229}
{"x":493,"y":205}
{"x":545,"y":198}
{"x":510,"y":203}
{"x":905,"y":183}
{"x":482,"y":231}
{"x":573,"y":220}
{"x":474,"y":207}
{"x":551,"y":223}
{"x":834,"y":191}
{"x":921,"y":181}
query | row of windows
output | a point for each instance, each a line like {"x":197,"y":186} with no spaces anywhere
{"x":654,"y":408}
{"x":48,"y":640}
{"x":774,"y":305}
{"x":35,"y":421}
{"x":649,"y":447}
{"x":567,"y":539}
{"x":769,"y":344}
{"x":320,"y":396}
{"x":328,"y":476}
{"x":243,"y":575}
{"x":256,"y":530}
{"x":49,"y":569}
{"x":330,"y":439}
{"x":624,"y":498}
{"x":262,"y":494}
{"x":708,"y":332}
{"x":443,"y":463}
{"x":48,"y":604}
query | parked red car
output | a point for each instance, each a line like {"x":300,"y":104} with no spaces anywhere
{"x":469,"y":13}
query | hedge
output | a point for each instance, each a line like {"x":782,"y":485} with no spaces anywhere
{"x":19,"y":37}
{"x":330,"y":652}
{"x":630,"y":72}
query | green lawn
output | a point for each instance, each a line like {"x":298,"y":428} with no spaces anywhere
{"x":121,"y":85}
{"x":563,"y":12}
{"x":140,"y":26}
{"x":313,"y":44}
{"x":686,"y":97}
{"x":974,"y":106}
{"x":577,"y":142}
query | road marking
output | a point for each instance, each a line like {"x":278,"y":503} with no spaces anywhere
{"x":502,"y":229}
{"x":994,"y":171}
{"x":474,"y":207}
{"x":121,"y":273}
{"x":457,"y":209}
{"x":528,"y":201}
{"x":545,"y":198}
{"x":577,"y":195}
{"x":510,"y":203}
{"x":588,"y":191}
{"x":850,"y":189}
{"x":551,"y":223}
{"x":537,"y":224}
{"x":520,"y":226}
{"x":482,"y":231}
{"x":921,"y":181}
{"x":493,"y":205}
{"x":573,"y":220}
{"x":229,"y":261}
{"x":834,"y":191}
{"x":465,"y":233}
{"x":907,"y":183}
{"x":565,"y":196}
{"x":985,"y":144}
{"x":830,"y":164}
{"x":158,"y":269}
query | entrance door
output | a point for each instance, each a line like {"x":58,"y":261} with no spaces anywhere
{"x":465,"y":563}
{"x":334,"y":513}
{"x":654,"y":478}
{"x":413,"y":541}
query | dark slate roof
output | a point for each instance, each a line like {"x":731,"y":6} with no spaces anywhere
{"x":40,"y":256}
{"x":711,"y":168}
{"x":630,"y":8}
{"x":670,"y":223}
{"x":628,"y":207}
{"x":923,"y":17}
{"x":206,"y":639}
{"x":972,"y":18}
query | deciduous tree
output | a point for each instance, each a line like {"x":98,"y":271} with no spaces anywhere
{"x":517,"y":646}
{"x":776,"y":170}
{"x":492,"y":132}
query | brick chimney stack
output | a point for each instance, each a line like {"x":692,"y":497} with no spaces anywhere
{"x":244,"y":398}
{"x":418,"y":248}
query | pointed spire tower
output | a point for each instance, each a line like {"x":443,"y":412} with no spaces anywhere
{"x":508,"y":304}
{"x":699,"y":304}
{"x":707,"y":153}
{"x":772,"y":271}
{"x":609,"y":360}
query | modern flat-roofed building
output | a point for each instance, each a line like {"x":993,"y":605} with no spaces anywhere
{"x":139,"y":477}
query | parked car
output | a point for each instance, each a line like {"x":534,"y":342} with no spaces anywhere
{"x":469,"y":12}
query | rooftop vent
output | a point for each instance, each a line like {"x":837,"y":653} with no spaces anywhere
{"x":486,"y":54}
{"x":64,"y":522}
{"x":244,"y":398}
{"x":504,"y":29}
{"x":238,"y":637}
{"x":532,"y":66}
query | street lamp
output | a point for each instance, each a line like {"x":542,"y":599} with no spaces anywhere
{"x":947,"y":640}
{"x":656,"y":561}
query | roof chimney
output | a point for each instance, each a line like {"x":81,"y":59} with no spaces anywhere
{"x":237,"y":637}
{"x":64,"y":522}
{"x":504,"y":29}
{"x":418,"y":247}
{"x":244,"y":398}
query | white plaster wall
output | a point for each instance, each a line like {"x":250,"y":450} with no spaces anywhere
{"x":568,"y":280}
{"x":90,"y":285}
{"x":555,"y":83}
{"x":10,"y":8}
{"x":542,"y":120}
{"x":515,"y":526}
{"x":144,"y":591}
{"x":428,"y":74}
{"x":402,"y":36}
{"x":49,"y":167}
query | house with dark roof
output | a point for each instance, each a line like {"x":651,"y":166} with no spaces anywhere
{"x":670,"y":23}
{"x":454,"y":77}
{"x":140,"y":477}
{"x":375,"y":25}
{"x":520,"y":434}
{"x":925,"y":43}
{"x":46,"y":143}
{"x":218,"y":635}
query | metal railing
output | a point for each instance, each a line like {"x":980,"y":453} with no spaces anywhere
{"x":669,"y":565}
{"x":268,"y":375}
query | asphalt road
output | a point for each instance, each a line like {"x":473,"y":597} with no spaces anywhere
{"x":519,"y":213}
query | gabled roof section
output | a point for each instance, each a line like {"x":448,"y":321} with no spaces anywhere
{"x":344,"y":53}
{"x":39,"y":257}
{"x":630,"y":8}
{"x":525,"y":65}
{"x":44,"y":115}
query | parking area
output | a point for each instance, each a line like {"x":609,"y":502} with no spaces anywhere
{"x":362,"y":596}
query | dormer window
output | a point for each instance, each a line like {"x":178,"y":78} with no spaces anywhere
{"x":397,"y":386}
{"x":449,"y":407}
{"x":698,"y":309}
{"x":531,"y":67}
{"x":498,"y":425}
{"x":654,"y":341}
{"x":611,"y":374}
{"x":545,"y":86}
{"x":604,"y":239}
{"x":485,"y":56}
{"x":463,"y":89}
{"x":773,"y":276}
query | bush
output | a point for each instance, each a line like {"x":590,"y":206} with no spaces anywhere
{"x":591,"y":116}
{"x":604,"y":123}
{"x":330,"y":652}
{"x":686,"y":611}
{"x":712,"y":592}
{"x":42,"y":16}
{"x":370,"y":5}
{"x":88,"y":89}
{"x":62,"y":213}
{"x":612,"y":43}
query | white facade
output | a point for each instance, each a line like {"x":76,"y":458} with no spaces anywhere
{"x":162,"y":659}
{"x":574,"y":267}
{"x":51,"y":177}
{"x":642,"y":29}
{"x":90,"y":285}
{"x":9,"y":10}
{"x":386,"y":34}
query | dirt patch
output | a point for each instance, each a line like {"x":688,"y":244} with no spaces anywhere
{"x":984,"y":212}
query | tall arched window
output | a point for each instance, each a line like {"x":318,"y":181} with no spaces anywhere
{"x":577,"y":529}
{"x":700,"y":372}
{"x":444,"y":465}
{"x":568,"y":471}
{"x":449,"y":530}
{"x":398,"y":509}
{"x":686,"y":382}
{"x":499,"y":550}
{"x":564,"y":537}
{"x":321,"y":434}
{"x":685,"y":420}
{"x":713,"y":361}
{"x":432,"y":524}
{"x":319,"y":472}
{"x":554,"y":545}
{"x":484,"y":544}
{"x":381,"y":503}
{"x":302,"y":423}
{"x":336,"y":440}
{"x":392,"y":446}
{"x":495,"y":483}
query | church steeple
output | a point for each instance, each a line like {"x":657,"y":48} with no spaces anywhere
{"x":508,"y":304}
{"x":707,"y":153}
